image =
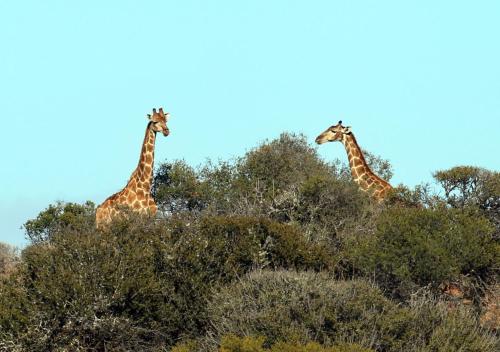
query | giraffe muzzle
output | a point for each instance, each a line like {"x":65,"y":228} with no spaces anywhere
{"x":320,"y":139}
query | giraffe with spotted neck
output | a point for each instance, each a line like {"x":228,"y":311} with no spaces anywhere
{"x":366,"y":179}
{"x":137,"y":193}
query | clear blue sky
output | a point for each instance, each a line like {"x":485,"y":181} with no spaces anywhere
{"x":418,"y":81}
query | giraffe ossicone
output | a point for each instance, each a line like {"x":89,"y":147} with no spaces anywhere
{"x":137,"y":193}
{"x":367,"y":180}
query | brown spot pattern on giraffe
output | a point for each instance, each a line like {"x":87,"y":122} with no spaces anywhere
{"x":357,"y":162}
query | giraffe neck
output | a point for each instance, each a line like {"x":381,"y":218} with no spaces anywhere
{"x":142,"y":176}
{"x":360,"y":171}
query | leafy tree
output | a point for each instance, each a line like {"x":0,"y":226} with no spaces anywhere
{"x":280,"y":163}
{"x":377,"y":164}
{"x":176,"y":188}
{"x":380,"y":166}
{"x":283,"y":179}
{"x":419,"y":196}
{"x":468,"y":185}
{"x":219,"y":186}
{"x":417,"y":247}
{"x":60,"y":215}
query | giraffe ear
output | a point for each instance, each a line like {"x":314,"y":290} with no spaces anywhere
{"x":348,"y":130}
{"x":167,"y":116}
{"x":148,"y":116}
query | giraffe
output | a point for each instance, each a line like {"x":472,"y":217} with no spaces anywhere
{"x":137,"y":193}
{"x":360,"y":171}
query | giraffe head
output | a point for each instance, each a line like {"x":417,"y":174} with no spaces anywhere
{"x":159,"y":121}
{"x":333,"y":133}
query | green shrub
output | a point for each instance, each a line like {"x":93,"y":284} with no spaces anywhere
{"x":217,"y":250}
{"x":259,"y":242}
{"x":252,"y":344}
{"x":413,"y":248}
{"x":233,"y":343}
{"x":140,"y":284}
{"x":283,"y":179}
{"x":176,"y":188}
{"x":202,"y":273}
{"x":460,"y":332}
{"x":301,"y":307}
{"x":246,"y":186}
{"x":441,"y":327}
{"x":311,"y":307}
{"x":220,"y":187}
{"x":469,"y":186}
{"x":97,"y":290}
{"x":57,"y":217}
{"x":279,"y":163}
{"x":418,"y":197}
{"x":328,"y":206}
{"x":286,"y":180}
{"x":14,"y":308}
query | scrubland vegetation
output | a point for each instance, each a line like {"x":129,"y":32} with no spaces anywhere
{"x":276,"y":250}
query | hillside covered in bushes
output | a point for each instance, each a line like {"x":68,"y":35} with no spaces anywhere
{"x":276,"y":250}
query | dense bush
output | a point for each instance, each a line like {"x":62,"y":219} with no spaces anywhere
{"x":283,"y":179}
{"x":256,"y":247}
{"x":89,"y":290}
{"x":261,"y":242}
{"x":438,"y":326}
{"x":176,"y":188}
{"x":417,"y":247}
{"x":468,"y":186}
{"x":304,"y":307}
{"x":255,"y":344}
{"x":249,"y":344}
{"x":146,"y":281}
{"x":328,"y":207}
{"x":278,"y":164}
{"x":59,"y":216}
{"x":298,"y":307}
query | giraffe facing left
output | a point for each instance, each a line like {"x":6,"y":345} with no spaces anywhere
{"x":366,"y":179}
{"x":137,"y":193}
